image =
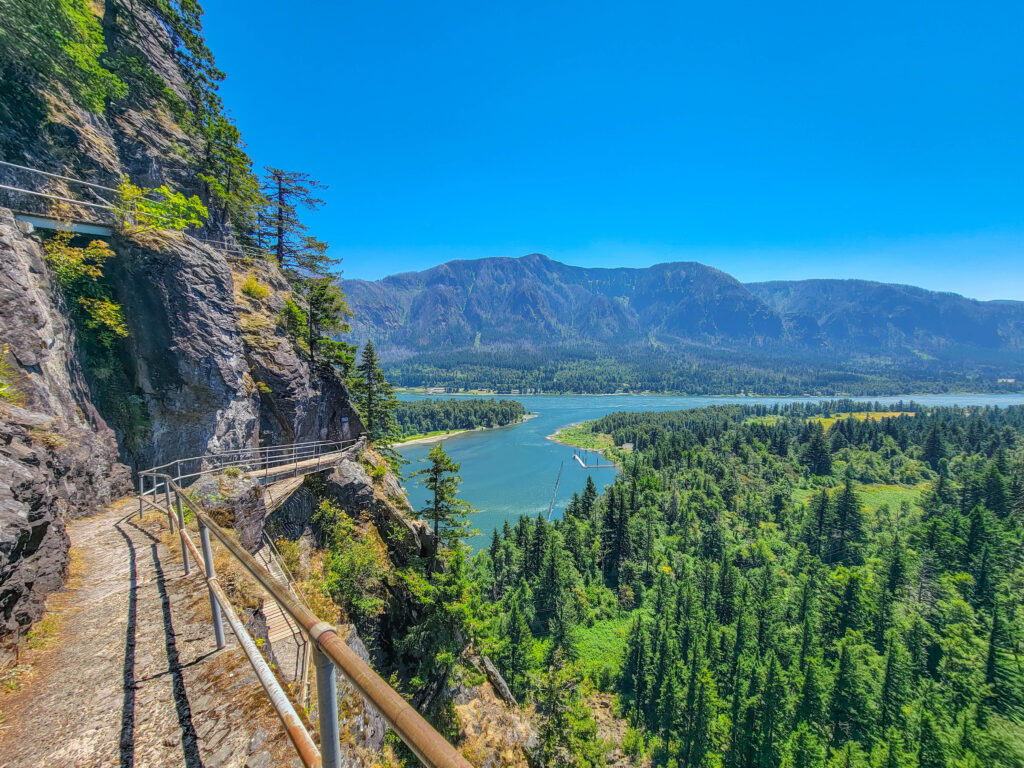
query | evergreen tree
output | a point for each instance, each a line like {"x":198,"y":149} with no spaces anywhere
{"x":851,"y":700}
{"x":282,"y":229}
{"x":934,"y":447}
{"x":804,"y":749}
{"x":568,"y":732}
{"x":817,"y":456}
{"x":850,"y":531}
{"x":932,"y":752}
{"x":445,"y":509}
{"x":813,"y":707}
{"x":774,"y":709}
{"x":517,"y":645}
{"x":375,"y":399}
{"x":701,"y":751}
{"x":994,"y":492}
{"x":326,"y":313}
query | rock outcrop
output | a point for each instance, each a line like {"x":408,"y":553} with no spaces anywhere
{"x":234,"y":500}
{"x":185,"y":348}
{"x":58,"y":458}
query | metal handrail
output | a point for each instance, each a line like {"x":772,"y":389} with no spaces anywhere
{"x":253,"y":460}
{"x":271,"y":556}
{"x":330,"y":651}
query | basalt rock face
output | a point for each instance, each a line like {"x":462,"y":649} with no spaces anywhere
{"x":233,"y":500}
{"x":58,"y":458}
{"x":186,"y":349}
{"x":185,"y":380}
{"x":350,"y":486}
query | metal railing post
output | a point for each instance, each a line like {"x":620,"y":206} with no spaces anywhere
{"x":142,"y":479}
{"x":218,"y":622}
{"x":167,"y":503}
{"x":327,"y":706}
{"x":181,"y":526}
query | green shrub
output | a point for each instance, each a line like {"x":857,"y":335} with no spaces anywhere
{"x":254,"y":289}
{"x":353,"y":574}
{"x":78,"y":271}
{"x":138,"y":210}
{"x":8,"y":391}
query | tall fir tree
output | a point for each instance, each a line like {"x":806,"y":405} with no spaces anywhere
{"x":374,"y":398}
{"x":448,"y":514}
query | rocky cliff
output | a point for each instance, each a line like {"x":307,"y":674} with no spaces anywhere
{"x":205,"y":364}
{"x":202,"y":369}
{"x":58,"y":458}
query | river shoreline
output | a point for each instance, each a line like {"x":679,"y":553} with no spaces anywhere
{"x":429,"y":439}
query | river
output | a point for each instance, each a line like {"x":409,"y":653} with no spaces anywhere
{"x":511,"y":471}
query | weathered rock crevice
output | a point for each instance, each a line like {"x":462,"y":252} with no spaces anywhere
{"x":58,"y":458}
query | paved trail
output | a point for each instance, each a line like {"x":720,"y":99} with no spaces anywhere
{"x":131,"y":677}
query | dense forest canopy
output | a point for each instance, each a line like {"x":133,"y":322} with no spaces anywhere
{"x":419,"y":417}
{"x":647,"y":368}
{"x":799,"y":585}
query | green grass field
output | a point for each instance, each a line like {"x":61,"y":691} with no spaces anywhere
{"x":581,"y":437}
{"x":874,"y":495}
{"x":827,"y":421}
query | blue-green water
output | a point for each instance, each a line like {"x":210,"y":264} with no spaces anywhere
{"x":511,"y":471}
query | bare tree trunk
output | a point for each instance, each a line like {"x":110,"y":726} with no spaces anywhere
{"x":280,"y":222}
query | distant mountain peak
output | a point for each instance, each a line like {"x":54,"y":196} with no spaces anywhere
{"x":533,"y":301}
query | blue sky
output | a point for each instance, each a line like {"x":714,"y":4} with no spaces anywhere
{"x":771,"y":140}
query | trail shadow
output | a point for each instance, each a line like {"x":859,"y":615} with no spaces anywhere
{"x":197,"y":660}
{"x":189,"y":741}
{"x":127,"y":739}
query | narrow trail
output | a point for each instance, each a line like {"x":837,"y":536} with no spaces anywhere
{"x":129,"y":676}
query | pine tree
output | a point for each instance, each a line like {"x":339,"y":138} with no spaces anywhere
{"x":994,"y":493}
{"x":813,"y":705}
{"x":895,"y":685}
{"x":817,"y":456}
{"x":725,"y":605}
{"x":934,"y":447}
{"x":588,"y":498}
{"x":851,"y":700}
{"x":517,"y":645}
{"x":327,"y":313}
{"x":850,"y":528}
{"x":445,"y":509}
{"x":932,"y":752}
{"x":282,"y":229}
{"x":804,"y":749}
{"x":568,"y":732}
{"x":700,"y":744}
{"x":774,"y":709}
{"x":374,"y":398}
{"x":818,"y":524}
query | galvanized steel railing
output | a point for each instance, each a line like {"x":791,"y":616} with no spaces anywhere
{"x":260,"y":462}
{"x":330,"y":652}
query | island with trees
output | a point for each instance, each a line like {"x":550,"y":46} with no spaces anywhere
{"x":429,"y":418}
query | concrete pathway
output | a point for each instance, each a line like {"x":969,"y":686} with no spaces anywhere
{"x":125,"y":672}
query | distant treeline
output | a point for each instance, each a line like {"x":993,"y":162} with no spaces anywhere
{"x":417,"y":417}
{"x":554,"y":370}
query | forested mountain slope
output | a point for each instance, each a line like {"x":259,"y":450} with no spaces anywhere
{"x":485,"y":322}
{"x":800,"y":586}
